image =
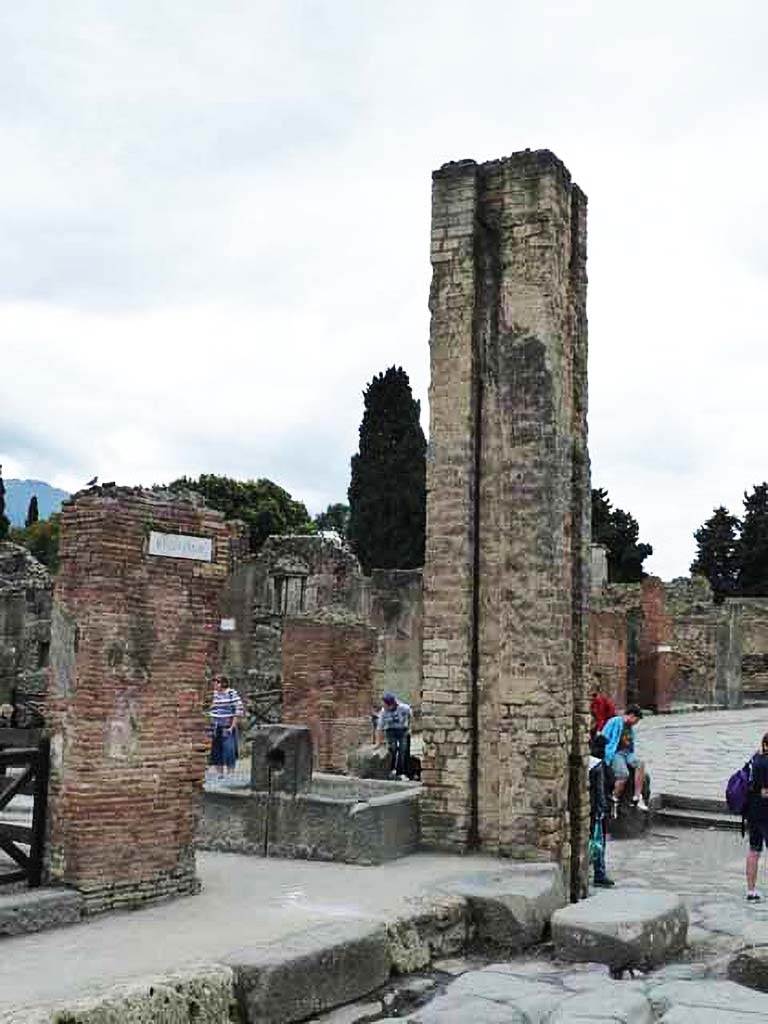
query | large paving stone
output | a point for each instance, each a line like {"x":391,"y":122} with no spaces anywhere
{"x":621,"y":928}
{"x":750,"y":967}
{"x":618,"y":1004}
{"x":511,"y":907}
{"x":708,"y":1002}
{"x":491,"y":998}
{"x":311,"y":972}
{"x":36,"y":909}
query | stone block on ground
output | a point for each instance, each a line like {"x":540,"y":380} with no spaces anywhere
{"x":511,"y":907}
{"x":433,"y":927}
{"x":35,"y":909}
{"x":369,"y":762}
{"x":198,"y":995}
{"x":622,"y":928}
{"x":750,"y":967}
{"x":311,"y":972}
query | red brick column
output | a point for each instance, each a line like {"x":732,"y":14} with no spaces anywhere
{"x":328,"y":685}
{"x":133,"y":639}
{"x":655,"y":668}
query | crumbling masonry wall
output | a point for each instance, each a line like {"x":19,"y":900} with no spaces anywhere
{"x":134,"y":640}
{"x":328,"y":684}
{"x":25,"y":623}
{"x":506,"y":578}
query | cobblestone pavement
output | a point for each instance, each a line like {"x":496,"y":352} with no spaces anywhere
{"x":694,"y":754}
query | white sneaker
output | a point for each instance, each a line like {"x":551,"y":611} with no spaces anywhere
{"x":640,"y":804}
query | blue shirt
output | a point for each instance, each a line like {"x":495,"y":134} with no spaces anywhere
{"x":612,"y":731}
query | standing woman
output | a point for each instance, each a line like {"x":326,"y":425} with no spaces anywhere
{"x":757,"y":816}
{"x":226,"y":712}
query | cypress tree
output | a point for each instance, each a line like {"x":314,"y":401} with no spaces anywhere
{"x":619,"y":532}
{"x":387,"y":492}
{"x":717,"y":553}
{"x":32,"y":513}
{"x":753,"y":544}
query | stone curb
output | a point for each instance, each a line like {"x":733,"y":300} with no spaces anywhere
{"x":304,"y":974}
{"x":36,"y":909}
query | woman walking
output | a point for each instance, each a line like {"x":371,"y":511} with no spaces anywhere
{"x":225,"y":714}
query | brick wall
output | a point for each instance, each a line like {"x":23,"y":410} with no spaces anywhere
{"x":134,"y":637}
{"x":506,"y":576}
{"x":328,"y":685}
{"x":608,"y":654}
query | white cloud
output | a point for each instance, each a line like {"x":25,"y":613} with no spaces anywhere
{"x":214,"y":229}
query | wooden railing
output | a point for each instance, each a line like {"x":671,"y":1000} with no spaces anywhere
{"x":34,"y":763}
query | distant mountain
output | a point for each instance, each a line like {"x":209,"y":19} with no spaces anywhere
{"x":18,"y":493}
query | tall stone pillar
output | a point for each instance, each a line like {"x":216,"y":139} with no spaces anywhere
{"x":507,"y":562}
{"x":134,"y":638}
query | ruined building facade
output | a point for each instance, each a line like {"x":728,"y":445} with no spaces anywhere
{"x":506,"y":574}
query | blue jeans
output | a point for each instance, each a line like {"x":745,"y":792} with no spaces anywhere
{"x":600,"y":874}
{"x":397,"y":744}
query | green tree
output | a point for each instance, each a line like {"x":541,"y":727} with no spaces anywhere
{"x":32,"y":511}
{"x":335,"y":517}
{"x":4,"y":522}
{"x":265,"y":508}
{"x":387,"y":493}
{"x":618,"y":531}
{"x":717,"y":553}
{"x":753,"y":544}
{"x":41,"y":539}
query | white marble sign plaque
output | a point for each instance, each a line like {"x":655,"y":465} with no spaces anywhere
{"x":181,"y":545}
{"x":228,"y":625}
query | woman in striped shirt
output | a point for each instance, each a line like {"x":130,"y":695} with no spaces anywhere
{"x":225,"y":714}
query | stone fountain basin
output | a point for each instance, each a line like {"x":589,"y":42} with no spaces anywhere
{"x":340,"y":818}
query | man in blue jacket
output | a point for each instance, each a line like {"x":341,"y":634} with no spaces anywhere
{"x":620,"y":755}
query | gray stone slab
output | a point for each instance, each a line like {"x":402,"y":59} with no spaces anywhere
{"x":311,"y":972}
{"x":436,"y":926}
{"x":621,"y":928}
{"x":489,"y":996}
{"x":349,"y":1014}
{"x":709,"y":1002}
{"x":616,"y":1004}
{"x":512,"y":907}
{"x":36,"y":909}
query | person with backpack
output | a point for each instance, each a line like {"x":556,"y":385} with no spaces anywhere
{"x":756,"y":814}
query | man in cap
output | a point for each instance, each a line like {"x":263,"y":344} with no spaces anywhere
{"x":394,"y":726}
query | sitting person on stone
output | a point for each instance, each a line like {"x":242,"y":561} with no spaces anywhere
{"x":620,"y":756}
{"x":599,"y":809}
{"x":394,"y":727}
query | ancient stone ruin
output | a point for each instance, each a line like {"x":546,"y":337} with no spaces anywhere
{"x":25,"y":624}
{"x":134,"y":642}
{"x":506,"y":575}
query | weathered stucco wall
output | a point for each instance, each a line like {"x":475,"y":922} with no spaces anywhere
{"x":25,"y":622}
{"x":506,"y":576}
{"x":397,"y":615}
{"x":134,"y":641}
{"x":754,"y":652}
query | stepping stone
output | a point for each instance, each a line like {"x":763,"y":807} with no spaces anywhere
{"x":750,"y":967}
{"x":511,"y":907}
{"x":622,"y":928}
{"x":614,"y":1005}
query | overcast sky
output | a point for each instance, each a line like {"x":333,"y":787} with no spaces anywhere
{"x":214,"y":230}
